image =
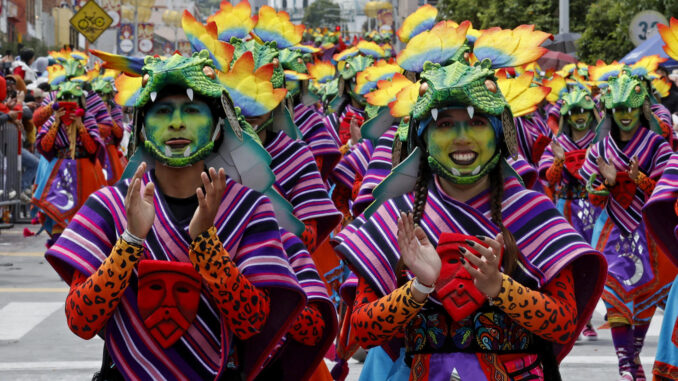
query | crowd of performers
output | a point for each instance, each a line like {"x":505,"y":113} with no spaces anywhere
{"x":289,"y":195}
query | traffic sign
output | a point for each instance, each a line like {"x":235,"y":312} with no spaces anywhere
{"x":644,"y":25}
{"x":91,"y":20}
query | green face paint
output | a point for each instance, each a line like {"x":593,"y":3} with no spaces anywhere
{"x":627,"y":120}
{"x":580,"y":121}
{"x":460,"y":146}
{"x":179,"y":132}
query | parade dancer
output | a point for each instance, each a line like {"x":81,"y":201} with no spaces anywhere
{"x":71,"y":150}
{"x":562,"y":160}
{"x":622,"y":167}
{"x":104,"y":86}
{"x":179,"y":229}
{"x":479,"y":218}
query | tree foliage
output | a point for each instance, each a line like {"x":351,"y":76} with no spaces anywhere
{"x":604,"y":24}
{"x":322,"y":13}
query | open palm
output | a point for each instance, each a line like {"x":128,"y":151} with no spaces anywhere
{"x":419,"y":255}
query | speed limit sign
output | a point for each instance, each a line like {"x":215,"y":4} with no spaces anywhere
{"x":644,"y":25}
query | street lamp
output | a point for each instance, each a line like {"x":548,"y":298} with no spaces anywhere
{"x":173,"y":18}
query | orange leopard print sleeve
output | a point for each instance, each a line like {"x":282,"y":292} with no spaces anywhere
{"x":47,"y":142}
{"x":340,"y":196}
{"x":310,"y":235}
{"x":551,"y":314}
{"x":86,"y":140}
{"x":645,"y":183}
{"x":92,"y":300}
{"x":309,"y":326}
{"x":356,"y":186}
{"x":555,"y":172}
{"x":245,"y":307}
{"x":42,"y":114}
{"x":376,"y":320}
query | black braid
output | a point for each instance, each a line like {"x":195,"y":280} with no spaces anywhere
{"x":496,"y":197}
{"x":420,"y":196}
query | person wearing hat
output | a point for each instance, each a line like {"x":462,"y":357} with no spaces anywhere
{"x":22,"y":66}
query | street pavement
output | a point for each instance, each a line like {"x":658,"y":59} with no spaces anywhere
{"x":36,"y":344}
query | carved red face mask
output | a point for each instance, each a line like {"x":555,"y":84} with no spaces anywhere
{"x":168,"y":297}
{"x":574,"y":160}
{"x":455,"y":288}
{"x":70,"y":108}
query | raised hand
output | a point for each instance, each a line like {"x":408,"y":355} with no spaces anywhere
{"x":634,"y":172}
{"x":356,"y":135}
{"x":208,"y":202}
{"x":486,"y":275}
{"x":139,"y":204}
{"x":558,"y":151}
{"x":608,"y":171}
{"x":419,"y":255}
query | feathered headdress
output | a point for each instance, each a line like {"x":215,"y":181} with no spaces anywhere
{"x":421,"y":20}
{"x":250,"y":90}
{"x":205,"y":37}
{"x":233,"y":21}
{"x":670,"y":36}
{"x":520,"y":93}
{"x":510,"y":47}
{"x":367,"y":79}
{"x":272,"y":26}
{"x":438,"y":45}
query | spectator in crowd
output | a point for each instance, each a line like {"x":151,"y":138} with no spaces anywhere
{"x":22,"y":66}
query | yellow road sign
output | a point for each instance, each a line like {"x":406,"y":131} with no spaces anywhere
{"x":91,"y":20}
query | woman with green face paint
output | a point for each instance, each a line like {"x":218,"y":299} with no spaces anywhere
{"x":622,"y":167}
{"x":562,"y":160}
{"x":444,"y":259}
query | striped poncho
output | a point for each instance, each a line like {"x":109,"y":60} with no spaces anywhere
{"x":380,"y":164}
{"x":546,"y":241}
{"x":299,"y":181}
{"x":318,"y":137}
{"x":246,"y":226}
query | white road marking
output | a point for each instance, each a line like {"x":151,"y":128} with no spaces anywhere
{"x":49,"y":365}
{"x":602,"y":360}
{"x":18,"y":318}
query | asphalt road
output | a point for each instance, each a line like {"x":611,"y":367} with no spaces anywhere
{"x":36,"y":344}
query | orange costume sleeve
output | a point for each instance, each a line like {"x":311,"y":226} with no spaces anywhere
{"x":245,"y":307}
{"x":92,"y":300}
{"x":555,"y":172}
{"x":309,"y":326}
{"x":645,"y":183}
{"x":47,"y":142}
{"x":341,"y":196}
{"x":550,"y":313}
{"x":42,"y":114}
{"x":310,"y":235}
{"x":86,"y":140}
{"x":376,"y":320}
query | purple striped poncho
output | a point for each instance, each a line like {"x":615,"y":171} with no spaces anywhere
{"x":116,"y":115}
{"x":298,"y":180}
{"x":529,"y":129}
{"x":298,"y":360}
{"x":353,"y":165}
{"x":246,"y":226}
{"x":635,"y":280}
{"x":62,"y":140}
{"x":526,"y":172}
{"x":379,"y":166}
{"x":317,"y":136}
{"x":579,"y":211}
{"x":546,"y":241}
{"x":659,"y":212}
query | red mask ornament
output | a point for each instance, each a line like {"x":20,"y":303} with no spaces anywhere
{"x":539,"y":147}
{"x":574,"y":160}
{"x":168,"y":298}
{"x":70,"y":108}
{"x":624,"y":190}
{"x":455,"y":288}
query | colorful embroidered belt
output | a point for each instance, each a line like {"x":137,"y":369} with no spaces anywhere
{"x":487,"y":330}
{"x":571,"y":192}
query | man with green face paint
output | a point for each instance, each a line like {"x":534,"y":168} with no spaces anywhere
{"x":621,"y":167}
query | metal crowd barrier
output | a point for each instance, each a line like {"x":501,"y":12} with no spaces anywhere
{"x":10,"y":173}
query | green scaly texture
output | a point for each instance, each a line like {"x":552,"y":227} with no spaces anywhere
{"x":69,"y":89}
{"x":177,"y":70}
{"x":354,"y":65}
{"x":263,"y":54}
{"x":576,"y":98}
{"x":459,"y":83}
{"x":73,"y":67}
{"x":102,"y":85}
{"x":290,"y":60}
{"x":624,"y":91}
